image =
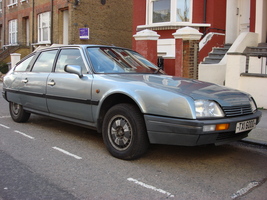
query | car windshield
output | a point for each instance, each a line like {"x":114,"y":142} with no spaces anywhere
{"x":115,"y":60}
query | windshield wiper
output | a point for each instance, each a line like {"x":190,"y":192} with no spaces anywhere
{"x":158,"y":70}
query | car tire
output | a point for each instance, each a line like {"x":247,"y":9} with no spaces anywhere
{"x":18,"y":114}
{"x":124,"y":132}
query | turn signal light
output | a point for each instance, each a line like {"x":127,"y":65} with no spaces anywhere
{"x":221,"y":127}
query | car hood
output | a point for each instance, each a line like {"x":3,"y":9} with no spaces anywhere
{"x":190,"y":87}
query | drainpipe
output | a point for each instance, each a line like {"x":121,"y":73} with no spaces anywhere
{"x":51,"y":21}
{"x":33,"y":26}
{"x":4,"y":21}
{"x":205,"y":14}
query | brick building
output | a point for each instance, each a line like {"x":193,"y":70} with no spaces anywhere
{"x":27,"y":24}
{"x":220,"y":22}
{"x":166,"y":16}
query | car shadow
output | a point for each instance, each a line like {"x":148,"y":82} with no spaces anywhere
{"x":156,"y":152}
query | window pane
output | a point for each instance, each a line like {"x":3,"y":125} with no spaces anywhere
{"x":13,"y":38}
{"x":183,"y":10}
{"x":23,"y":65}
{"x":45,"y":61}
{"x":161,"y":11}
{"x":69,"y":57}
{"x":13,"y":31}
{"x":115,"y":60}
{"x":44,"y":27}
{"x":45,"y":34}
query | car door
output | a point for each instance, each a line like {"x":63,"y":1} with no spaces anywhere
{"x":14,"y":84}
{"x":34,"y":82}
{"x":68,"y":95}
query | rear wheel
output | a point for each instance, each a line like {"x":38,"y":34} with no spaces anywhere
{"x":18,"y":114}
{"x":124,"y":132}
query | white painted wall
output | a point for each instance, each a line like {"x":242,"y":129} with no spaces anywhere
{"x":233,"y":64}
{"x":257,"y":88}
{"x":166,"y":47}
{"x":236,"y":64}
{"x":214,"y":73}
{"x":245,"y":39}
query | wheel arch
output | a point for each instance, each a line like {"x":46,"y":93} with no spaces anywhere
{"x":110,"y":101}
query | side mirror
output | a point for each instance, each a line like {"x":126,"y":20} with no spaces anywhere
{"x":74,"y":69}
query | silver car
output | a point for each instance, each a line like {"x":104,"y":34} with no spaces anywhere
{"x":128,"y":99}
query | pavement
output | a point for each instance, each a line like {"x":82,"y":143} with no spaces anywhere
{"x":259,"y":134}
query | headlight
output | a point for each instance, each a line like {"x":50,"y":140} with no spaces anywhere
{"x":206,"y":108}
{"x":252,"y":104}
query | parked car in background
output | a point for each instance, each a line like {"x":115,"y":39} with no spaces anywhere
{"x":132,"y":102}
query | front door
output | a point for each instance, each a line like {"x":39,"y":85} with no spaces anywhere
{"x":68,"y":95}
{"x":237,"y":19}
{"x":244,"y":15}
{"x":65,"y":27}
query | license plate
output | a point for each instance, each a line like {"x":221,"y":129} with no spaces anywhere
{"x":245,"y":125}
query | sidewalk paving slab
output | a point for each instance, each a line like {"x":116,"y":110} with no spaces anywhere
{"x":259,"y":134}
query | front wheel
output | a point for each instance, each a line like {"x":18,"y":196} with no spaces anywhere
{"x":124,"y":132}
{"x":18,"y":114}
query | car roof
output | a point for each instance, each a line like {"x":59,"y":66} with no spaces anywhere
{"x":57,"y":46}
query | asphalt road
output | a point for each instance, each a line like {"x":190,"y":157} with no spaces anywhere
{"x":47,"y":159}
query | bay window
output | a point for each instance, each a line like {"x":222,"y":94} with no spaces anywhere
{"x":174,"y":11}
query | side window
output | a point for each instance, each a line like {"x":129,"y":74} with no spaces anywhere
{"x":69,"y":57}
{"x":44,"y":62}
{"x":23,"y":65}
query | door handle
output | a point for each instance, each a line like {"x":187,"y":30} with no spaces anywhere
{"x":51,"y":83}
{"x":25,"y":80}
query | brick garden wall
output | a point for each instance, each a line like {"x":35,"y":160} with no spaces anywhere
{"x":190,"y":68}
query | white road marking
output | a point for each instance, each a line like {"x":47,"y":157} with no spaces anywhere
{"x":246,"y":189}
{"x":5,"y":126}
{"x":4,"y":117}
{"x":150,"y":187}
{"x":24,"y":134}
{"x":67,"y":153}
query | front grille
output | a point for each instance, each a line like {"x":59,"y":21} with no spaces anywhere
{"x":231,"y":111}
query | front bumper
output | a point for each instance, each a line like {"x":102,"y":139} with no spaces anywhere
{"x":4,"y":95}
{"x":185,"y":132}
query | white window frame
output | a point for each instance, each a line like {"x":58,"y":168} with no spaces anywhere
{"x":12,"y":3}
{"x":13,"y":32}
{"x":149,"y":13}
{"x":1,"y":5}
{"x":44,"y":22}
